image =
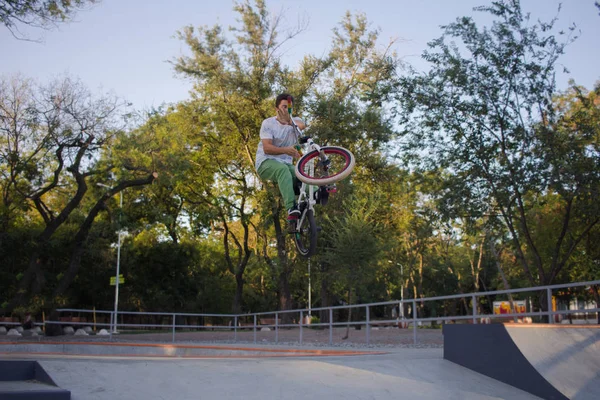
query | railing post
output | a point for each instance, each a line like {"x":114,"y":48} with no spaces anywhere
{"x":330,"y":326}
{"x":301,"y":322}
{"x":112,"y":327}
{"x":174,"y":328}
{"x":368,"y":326}
{"x":474,"y":303}
{"x":414,"y":312}
{"x":254,"y":328}
{"x":276,"y":328}
{"x":235,"y":322}
{"x":549,"y":296}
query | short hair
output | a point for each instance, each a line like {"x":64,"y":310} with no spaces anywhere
{"x":281,"y":97}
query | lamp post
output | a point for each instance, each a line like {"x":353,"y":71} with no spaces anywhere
{"x":309,"y":291}
{"x":118,"y":259}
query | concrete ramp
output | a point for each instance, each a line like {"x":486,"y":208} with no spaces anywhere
{"x":568,"y":357}
{"x":550,"y":361}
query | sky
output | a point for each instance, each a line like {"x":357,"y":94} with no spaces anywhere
{"x":124,"y":47}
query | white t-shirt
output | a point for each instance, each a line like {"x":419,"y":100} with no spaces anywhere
{"x":281,"y":135}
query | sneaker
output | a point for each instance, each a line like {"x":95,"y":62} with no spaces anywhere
{"x":294,"y":212}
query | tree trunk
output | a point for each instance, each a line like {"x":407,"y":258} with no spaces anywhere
{"x":237,"y":266}
{"x":33,"y":280}
{"x":325,"y":301}
{"x":475,"y":270}
{"x":596,"y":292}
{"x":420,"y":287}
{"x":504,"y":280}
{"x":78,"y":248}
{"x":239,"y":289}
{"x":285,"y":296}
{"x":349,"y":315}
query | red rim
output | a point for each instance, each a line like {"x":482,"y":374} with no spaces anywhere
{"x":310,"y":156}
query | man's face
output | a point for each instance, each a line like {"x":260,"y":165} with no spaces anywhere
{"x":283,"y":105}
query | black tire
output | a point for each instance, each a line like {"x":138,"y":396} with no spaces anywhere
{"x":306,"y":236}
{"x":342,"y":164}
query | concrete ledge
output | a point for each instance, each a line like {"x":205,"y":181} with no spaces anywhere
{"x":28,"y":380}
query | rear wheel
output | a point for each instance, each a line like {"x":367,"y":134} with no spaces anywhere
{"x":305,"y":236}
{"x":340,"y":163}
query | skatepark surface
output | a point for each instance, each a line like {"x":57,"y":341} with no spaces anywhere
{"x":566,"y":359}
{"x":401,"y":374}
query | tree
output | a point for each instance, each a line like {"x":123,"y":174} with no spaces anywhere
{"x":52,"y":139}
{"x":348,"y":106}
{"x":236,"y":81}
{"x":488,"y":119}
{"x":39,"y":13}
{"x":355,"y":248}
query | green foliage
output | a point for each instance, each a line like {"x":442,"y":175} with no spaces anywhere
{"x":353,"y":242}
{"x":492,"y":156}
{"x":192,"y":277}
{"x":479,"y":117}
{"x":39,"y":13}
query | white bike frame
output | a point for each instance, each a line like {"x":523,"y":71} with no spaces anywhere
{"x":307,"y":195}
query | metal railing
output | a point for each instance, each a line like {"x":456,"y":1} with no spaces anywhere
{"x":414,"y":320}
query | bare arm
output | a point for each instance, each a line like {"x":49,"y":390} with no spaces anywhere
{"x":270,"y":148}
{"x":299,"y":123}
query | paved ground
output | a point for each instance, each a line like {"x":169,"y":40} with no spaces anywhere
{"x":404,"y":371}
{"x":399,"y":374}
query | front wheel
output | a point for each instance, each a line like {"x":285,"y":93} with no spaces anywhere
{"x":340,"y":163}
{"x":305,"y":236}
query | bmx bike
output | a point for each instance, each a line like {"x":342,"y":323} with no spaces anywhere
{"x":318,"y":169}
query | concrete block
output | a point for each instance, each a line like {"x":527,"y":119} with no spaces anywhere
{"x":2,"y":330}
{"x":103,"y":332}
{"x":265,"y":329}
{"x":403,"y":324}
{"x":13,"y":332}
{"x":19,"y":329}
{"x":68,"y":330}
{"x":81,"y":332}
{"x":88,"y":330}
